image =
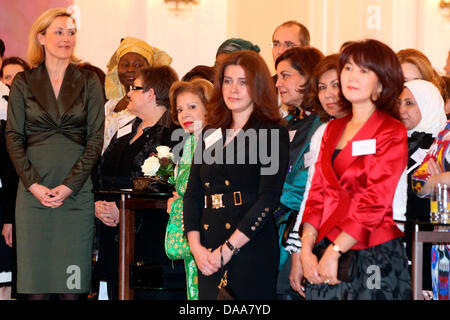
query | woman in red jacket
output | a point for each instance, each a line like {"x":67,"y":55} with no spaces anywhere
{"x":349,"y":208}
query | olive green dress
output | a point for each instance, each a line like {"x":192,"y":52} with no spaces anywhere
{"x":52,"y":142}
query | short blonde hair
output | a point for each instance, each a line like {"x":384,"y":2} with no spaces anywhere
{"x":35,"y":52}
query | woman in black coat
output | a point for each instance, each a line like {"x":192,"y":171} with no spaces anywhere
{"x":235,"y":183}
{"x":121,"y":163}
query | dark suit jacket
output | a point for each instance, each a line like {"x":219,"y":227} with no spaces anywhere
{"x":355,"y":193}
{"x":254,"y":269}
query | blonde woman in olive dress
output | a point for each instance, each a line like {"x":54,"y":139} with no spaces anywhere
{"x":54,"y":135}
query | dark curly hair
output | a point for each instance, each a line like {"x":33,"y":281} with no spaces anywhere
{"x":304,"y":60}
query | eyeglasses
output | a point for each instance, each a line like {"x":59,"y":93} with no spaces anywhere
{"x":133,"y":88}
{"x":287,"y":44}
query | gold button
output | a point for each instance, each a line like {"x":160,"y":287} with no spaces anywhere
{"x":209,"y":249}
{"x":227,"y":183}
{"x":263,"y":214}
{"x":253,"y":228}
{"x":227,"y":226}
{"x":206,"y":226}
{"x":257,"y":224}
{"x":259,"y":219}
{"x":266,"y":209}
{"x":207,"y":184}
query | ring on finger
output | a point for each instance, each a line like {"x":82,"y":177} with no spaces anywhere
{"x":327,"y":281}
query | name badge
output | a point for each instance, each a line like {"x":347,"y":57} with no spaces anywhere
{"x":124,"y":131}
{"x":292,"y":135}
{"x":309,"y":159}
{"x":419,"y":155}
{"x":212,"y":138}
{"x":364,"y":147}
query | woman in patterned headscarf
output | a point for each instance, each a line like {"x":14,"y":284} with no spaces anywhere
{"x":132,"y":55}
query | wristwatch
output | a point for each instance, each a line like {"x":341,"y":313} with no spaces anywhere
{"x":337,"y":248}
{"x":232,"y":248}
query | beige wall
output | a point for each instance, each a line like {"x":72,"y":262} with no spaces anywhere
{"x":255,"y":20}
{"x":401,"y":23}
{"x":193,"y":38}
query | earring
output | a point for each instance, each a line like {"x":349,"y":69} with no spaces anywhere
{"x":376,"y":95}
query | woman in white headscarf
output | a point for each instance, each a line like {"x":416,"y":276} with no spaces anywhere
{"x":422,"y":112}
{"x":132,"y":55}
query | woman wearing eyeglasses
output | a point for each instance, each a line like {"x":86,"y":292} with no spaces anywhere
{"x":121,"y":163}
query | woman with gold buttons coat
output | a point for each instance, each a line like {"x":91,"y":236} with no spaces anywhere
{"x":234,"y":186}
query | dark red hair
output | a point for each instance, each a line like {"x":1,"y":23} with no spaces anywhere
{"x":260,"y":89}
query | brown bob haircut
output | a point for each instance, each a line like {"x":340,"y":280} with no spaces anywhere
{"x":328,"y":63}
{"x":304,"y":60}
{"x":259,"y":85}
{"x":200,"y":71}
{"x":202,"y":88}
{"x":160,"y":79}
{"x":378,"y":57}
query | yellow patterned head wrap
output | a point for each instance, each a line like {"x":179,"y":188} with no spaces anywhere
{"x":154,"y":56}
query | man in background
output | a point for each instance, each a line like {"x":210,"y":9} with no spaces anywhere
{"x":288,"y":35}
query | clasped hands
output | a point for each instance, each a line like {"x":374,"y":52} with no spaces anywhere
{"x":107,"y":212}
{"x":52,"y":198}
{"x":209,"y":262}
{"x":323,"y":271}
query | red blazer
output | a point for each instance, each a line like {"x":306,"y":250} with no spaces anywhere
{"x":355,"y":194}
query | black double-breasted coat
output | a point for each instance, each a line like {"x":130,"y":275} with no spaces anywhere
{"x":256,"y":168}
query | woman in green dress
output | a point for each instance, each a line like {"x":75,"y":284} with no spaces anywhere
{"x":54,"y":136}
{"x":189,"y":104}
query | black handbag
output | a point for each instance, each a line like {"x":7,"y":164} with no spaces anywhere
{"x":224,"y":293}
{"x":146,"y":276}
{"x":346,"y":266}
{"x":153,"y":276}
